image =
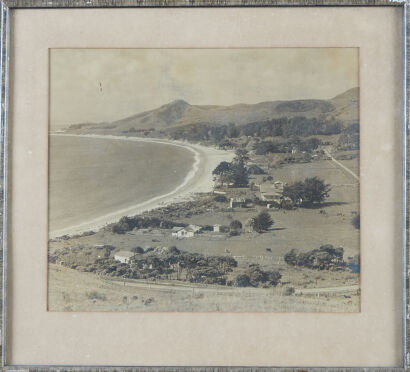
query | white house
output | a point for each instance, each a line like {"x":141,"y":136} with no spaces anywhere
{"x":123,"y":256}
{"x":217,"y":228}
{"x":186,"y":232}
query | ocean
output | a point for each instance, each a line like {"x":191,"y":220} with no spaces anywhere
{"x":92,"y":177}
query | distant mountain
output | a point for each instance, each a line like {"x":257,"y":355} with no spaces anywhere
{"x":344,"y":107}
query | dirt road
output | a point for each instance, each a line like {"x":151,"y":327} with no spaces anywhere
{"x":341,"y":165}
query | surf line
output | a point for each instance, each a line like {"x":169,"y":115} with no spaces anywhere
{"x":99,"y":222}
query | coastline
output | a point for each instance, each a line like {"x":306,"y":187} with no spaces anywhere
{"x":198,"y":179}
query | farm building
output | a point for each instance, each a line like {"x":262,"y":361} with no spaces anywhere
{"x":237,"y":203}
{"x":123,"y":256}
{"x":185,"y":232}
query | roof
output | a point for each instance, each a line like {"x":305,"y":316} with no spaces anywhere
{"x":238,"y":200}
{"x":126,"y":254}
{"x":271,"y":189}
{"x":177,"y":228}
{"x":193,"y":228}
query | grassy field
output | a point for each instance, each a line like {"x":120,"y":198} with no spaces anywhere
{"x":71,"y":290}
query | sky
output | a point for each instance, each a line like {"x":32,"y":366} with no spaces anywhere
{"x":103,"y":85}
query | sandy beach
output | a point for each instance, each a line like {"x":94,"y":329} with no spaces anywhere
{"x":198,"y":179}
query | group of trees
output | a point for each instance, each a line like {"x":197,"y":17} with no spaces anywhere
{"x":284,"y":127}
{"x":205,"y":132}
{"x":310,"y":191}
{"x":326,"y":257}
{"x":265,"y":147}
{"x":255,"y":276}
{"x":129,"y":223}
{"x":234,"y":172}
{"x":296,"y":126}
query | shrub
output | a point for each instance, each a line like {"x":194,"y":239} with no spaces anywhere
{"x":356,"y":221}
{"x":236,"y":225}
{"x":255,"y":276}
{"x":242,"y":280}
{"x":221,"y":199}
{"x":234,"y":233}
{"x":94,"y":295}
{"x":138,"y":250}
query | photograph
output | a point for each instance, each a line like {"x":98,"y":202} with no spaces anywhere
{"x":204,"y":180}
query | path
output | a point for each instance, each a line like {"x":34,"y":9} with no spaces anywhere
{"x":346,"y":288}
{"x":341,"y":165}
{"x":197,"y":288}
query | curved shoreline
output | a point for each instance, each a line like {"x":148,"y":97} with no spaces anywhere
{"x":198,"y":179}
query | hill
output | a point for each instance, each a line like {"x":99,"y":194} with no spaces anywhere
{"x":179,"y":113}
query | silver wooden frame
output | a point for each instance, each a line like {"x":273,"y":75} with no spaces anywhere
{"x":7,"y":6}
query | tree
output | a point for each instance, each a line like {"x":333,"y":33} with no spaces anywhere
{"x":223,"y":167}
{"x":262,"y":222}
{"x":241,"y":156}
{"x":310,"y":191}
{"x":236,"y":225}
{"x":356,"y":221}
{"x":232,"y":172}
{"x":315,"y":190}
{"x":238,"y":175}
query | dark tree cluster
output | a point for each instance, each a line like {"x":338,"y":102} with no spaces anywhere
{"x":129,"y":223}
{"x":325,"y":258}
{"x":266,"y":147}
{"x":307,"y":192}
{"x":234,"y":172}
{"x":284,"y":126}
{"x":255,"y":276}
{"x":304,"y":127}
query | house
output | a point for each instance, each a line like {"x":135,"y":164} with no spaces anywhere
{"x":217,"y":228}
{"x":272,"y":192}
{"x":175,"y":231}
{"x":186,"y":232}
{"x":237,"y":203}
{"x":123,"y":256}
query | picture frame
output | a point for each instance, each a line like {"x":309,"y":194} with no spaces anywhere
{"x":6,"y":133}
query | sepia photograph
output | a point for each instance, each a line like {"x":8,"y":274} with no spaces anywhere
{"x":204,"y":180}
